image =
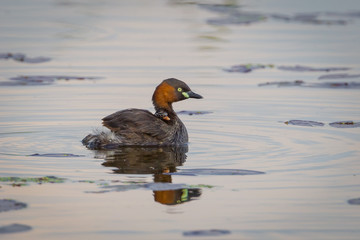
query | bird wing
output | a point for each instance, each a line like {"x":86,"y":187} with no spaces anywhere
{"x":136,"y":123}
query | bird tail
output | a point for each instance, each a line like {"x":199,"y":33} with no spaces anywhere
{"x":101,"y":140}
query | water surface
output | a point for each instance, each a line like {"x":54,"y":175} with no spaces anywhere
{"x":118,"y":51}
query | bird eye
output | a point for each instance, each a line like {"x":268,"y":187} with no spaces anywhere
{"x":179,"y":89}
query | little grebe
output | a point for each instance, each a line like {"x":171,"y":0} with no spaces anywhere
{"x":137,"y":127}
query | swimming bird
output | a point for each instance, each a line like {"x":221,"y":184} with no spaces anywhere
{"x":138,"y":127}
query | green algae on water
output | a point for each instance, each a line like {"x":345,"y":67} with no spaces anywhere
{"x":86,"y":181}
{"x":19,"y":181}
{"x":345,"y":124}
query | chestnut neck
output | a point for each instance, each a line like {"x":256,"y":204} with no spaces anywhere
{"x":163,"y":98}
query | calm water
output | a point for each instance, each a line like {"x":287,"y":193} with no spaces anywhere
{"x":129,"y":47}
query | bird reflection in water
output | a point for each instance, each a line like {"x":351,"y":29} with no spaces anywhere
{"x":158,"y":161}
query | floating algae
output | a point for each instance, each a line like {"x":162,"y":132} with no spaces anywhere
{"x":9,"y":204}
{"x":309,"y":18}
{"x":20,"y":57}
{"x":301,"y":83}
{"x":232,"y":13}
{"x":18,"y":181}
{"x":283,"y":83}
{"x":305,"y":123}
{"x":206,"y":233}
{"x":300,"y":68}
{"x":194,"y":112}
{"x":14,"y":228}
{"x":345,"y":124}
{"x":246,"y":68}
{"x":339,"y":124}
{"x":239,"y":18}
{"x":339,"y":76}
{"x":41,"y":80}
{"x":354,"y":201}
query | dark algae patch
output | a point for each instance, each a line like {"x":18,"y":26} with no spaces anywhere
{"x":239,"y":18}
{"x":354,"y":201}
{"x":14,"y":228}
{"x":300,"y":68}
{"x":232,"y":13}
{"x":8,"y":205}
{"x":283,"y":83}
{"x":20,"y":57}
{"x":206,"y":233}
{"x":351,"y":85}
{"x":41,"y":80}
{"x":345,"y":124}
{"x":309,"y":18}
{"x":319,"y":18}
{"x":301,"y":83}
{"x":339,"y":76}
{"x":304,"y":123}
{"x":246,"y":68}
{"x":340,"y":124}
{"x":194,"y":112}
